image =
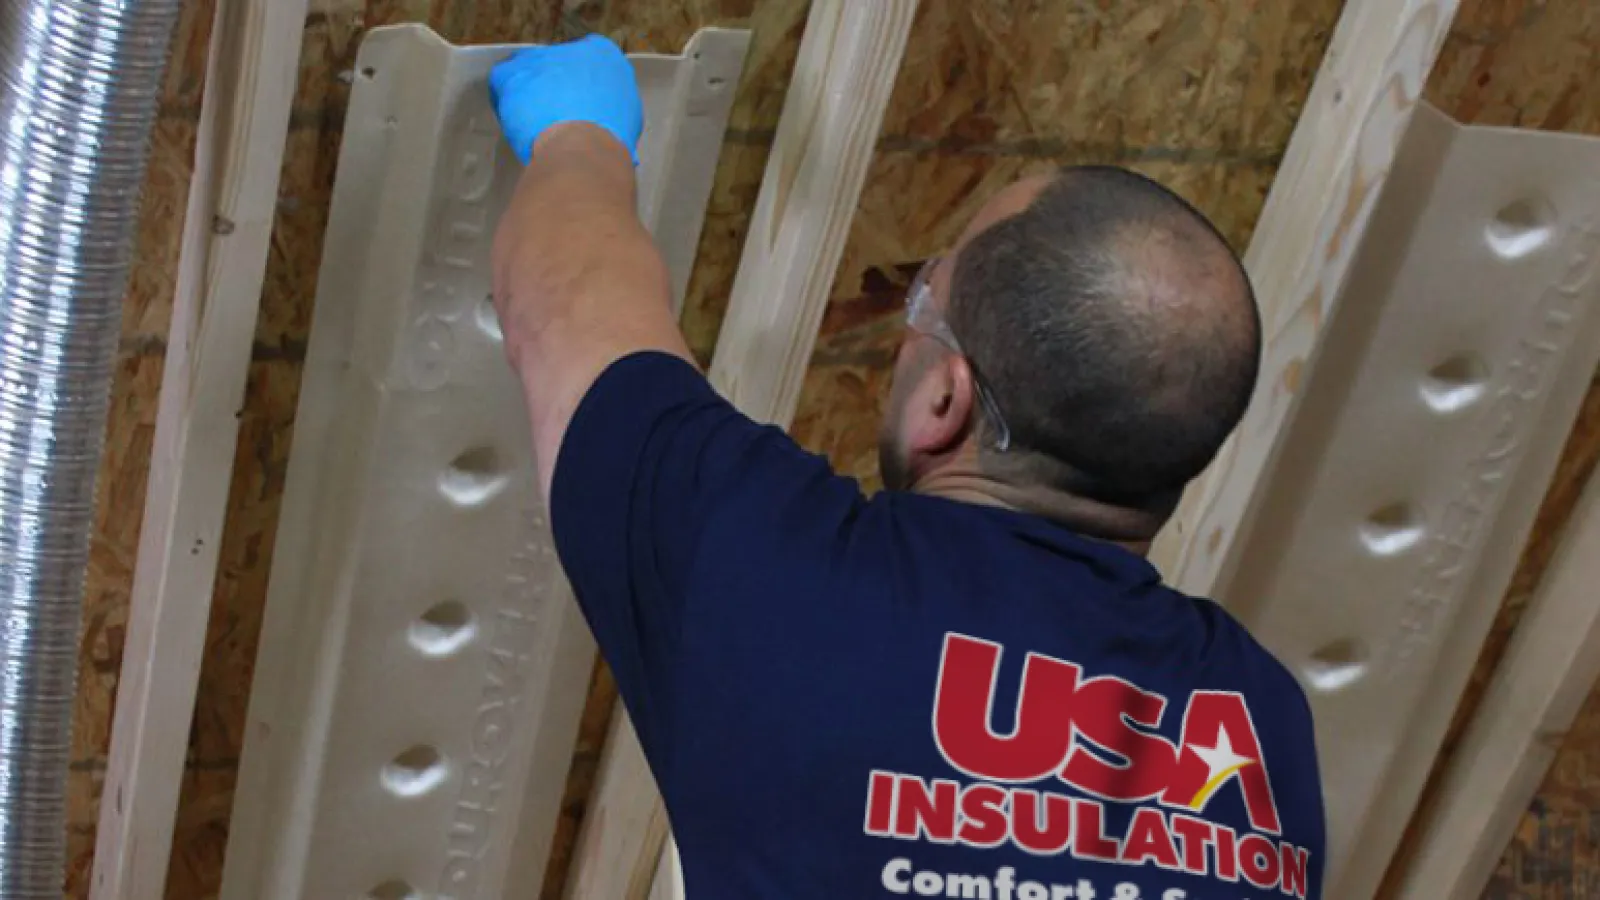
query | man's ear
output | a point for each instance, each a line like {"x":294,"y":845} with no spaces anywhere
{"x":939,"y":415}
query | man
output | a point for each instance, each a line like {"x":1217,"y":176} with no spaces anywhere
{"x":971,"y":684}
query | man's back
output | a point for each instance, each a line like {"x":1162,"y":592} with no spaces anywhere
{"x":844,"y":697}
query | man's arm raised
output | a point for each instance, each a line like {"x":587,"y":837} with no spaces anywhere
{"x":644,"y":466}
{"x":578,"y":282}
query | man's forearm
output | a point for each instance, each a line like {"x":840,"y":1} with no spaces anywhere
{"x":577,"y":279}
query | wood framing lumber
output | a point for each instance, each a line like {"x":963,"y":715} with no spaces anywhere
{"x":829,"y":126}
{"x":668,"y":884}
{"x":1338,"y":158}
{"x":233,"y":193}
{"x":1536,"y":692}
{"x":832,"y":115}
{"x":619,"y":851}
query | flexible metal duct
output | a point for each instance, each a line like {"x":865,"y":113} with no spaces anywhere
{"x":79,"y":81}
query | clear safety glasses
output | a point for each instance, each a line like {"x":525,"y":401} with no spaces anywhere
{"x":923,"y":318}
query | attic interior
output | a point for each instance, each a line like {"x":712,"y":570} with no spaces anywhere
{"x":1201,"y":94}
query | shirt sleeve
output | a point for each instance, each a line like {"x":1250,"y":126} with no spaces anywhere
{"x":653,"y":455}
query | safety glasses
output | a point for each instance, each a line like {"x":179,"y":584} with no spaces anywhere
{"x":923,"y":318}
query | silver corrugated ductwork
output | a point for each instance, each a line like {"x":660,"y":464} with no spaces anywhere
{"x":79,"y":81}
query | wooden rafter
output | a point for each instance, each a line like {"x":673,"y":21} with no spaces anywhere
{"x":244,"y":120}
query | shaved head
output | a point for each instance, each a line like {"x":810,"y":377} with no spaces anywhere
{"x":1115,"y":328}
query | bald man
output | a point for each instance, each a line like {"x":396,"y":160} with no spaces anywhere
{"x":971,"y":684}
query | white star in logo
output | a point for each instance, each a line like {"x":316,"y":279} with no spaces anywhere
{"x":1220,"y":760}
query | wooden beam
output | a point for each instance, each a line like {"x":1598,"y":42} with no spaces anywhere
{"x":1338,"y":159}
{"x":1549,"y":668}
{"x":233,"y":194}
{"x":668,"y":884}
{"x":831,"y":118}
{"x":619,"y":847}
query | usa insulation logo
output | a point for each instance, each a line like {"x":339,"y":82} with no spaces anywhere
{"x":1013,"y":797}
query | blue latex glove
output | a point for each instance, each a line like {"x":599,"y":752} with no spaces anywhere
{"x":587,"y":80}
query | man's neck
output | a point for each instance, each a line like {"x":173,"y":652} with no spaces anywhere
{"x":1130,"y":529}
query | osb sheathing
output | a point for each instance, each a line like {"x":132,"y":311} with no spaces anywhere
{"x":1202,"y":95}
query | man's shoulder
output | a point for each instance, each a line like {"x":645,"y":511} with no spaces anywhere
{"x":1269,"y":667}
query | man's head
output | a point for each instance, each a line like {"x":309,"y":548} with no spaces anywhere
{"x":1108,"y":338}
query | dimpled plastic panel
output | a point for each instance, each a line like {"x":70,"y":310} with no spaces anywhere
{"x":1429,"y":427}
{"x":422,"y":667}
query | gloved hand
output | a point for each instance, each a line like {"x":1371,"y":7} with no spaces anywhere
{"x":587,"y":80}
